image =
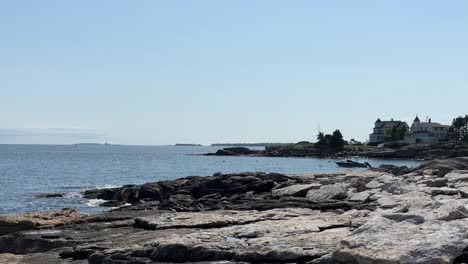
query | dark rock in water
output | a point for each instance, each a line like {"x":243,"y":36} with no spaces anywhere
{"x":183,"y":194}
{"x":112,"y":203}
{"x":235,"y":151}
{"x":49,"y":195}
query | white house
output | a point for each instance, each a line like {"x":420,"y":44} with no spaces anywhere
{"x":426,"y":132}
{"x":382,"y":127}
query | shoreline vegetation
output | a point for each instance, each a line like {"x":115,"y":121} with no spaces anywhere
{"x":389,"y":214}
{"x":249,"y":144}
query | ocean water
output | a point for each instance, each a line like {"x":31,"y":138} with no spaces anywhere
{"x":28,"y":170}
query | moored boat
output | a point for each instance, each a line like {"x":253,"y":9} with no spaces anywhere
{"x":353,"y":164}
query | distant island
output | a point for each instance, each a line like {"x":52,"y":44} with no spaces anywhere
{"x":188,"y":145}
{"x":91,"y":144}
{"x":251,"y":144}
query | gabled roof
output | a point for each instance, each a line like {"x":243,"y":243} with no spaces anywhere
{"x":391,"y":124}
{"x":435,"y":124}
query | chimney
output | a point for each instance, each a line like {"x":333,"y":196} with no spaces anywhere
{"x":430,"y":120}
{"x":392,"y":119}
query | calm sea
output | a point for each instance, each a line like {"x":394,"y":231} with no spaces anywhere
{"x":28,"y":170}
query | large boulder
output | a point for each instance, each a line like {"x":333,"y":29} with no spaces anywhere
{"x":383,"y":240}
{"x":328,"y":192}
{"x":441,"y":167}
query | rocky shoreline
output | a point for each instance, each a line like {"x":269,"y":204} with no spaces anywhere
{"x":386,"y":215}
{"x":414,"y":152}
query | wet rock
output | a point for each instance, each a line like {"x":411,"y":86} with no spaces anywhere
{"x":112,"y":203}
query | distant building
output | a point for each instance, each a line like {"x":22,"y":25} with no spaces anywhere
{"x":426,"y":132}
{"x":382,"y":128}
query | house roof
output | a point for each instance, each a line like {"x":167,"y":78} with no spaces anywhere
{"x":391,"y":124}
{"x":435,"y":124}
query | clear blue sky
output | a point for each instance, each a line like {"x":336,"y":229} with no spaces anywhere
{"x":161,"y":72}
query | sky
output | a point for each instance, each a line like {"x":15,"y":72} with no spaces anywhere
{"x":165,"y":72}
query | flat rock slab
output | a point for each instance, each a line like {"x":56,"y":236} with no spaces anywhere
{"x":328,"y":192}
{"x":360,"y":197}
{"x":298,"y":190}
{"x":11,"y":224}
{"x":216,"y":219}
{"x":278,"y":239}
{"x":383,"y":240}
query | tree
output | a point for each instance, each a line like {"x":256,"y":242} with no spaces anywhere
{"x":458,"y":131}
{"x":354,"y":142}
{"x":401,"y":132}
{"x":334,"y":141}
{"x":322,"y":140}
{"x":396,"y":134}
{"x":337,"y":141}
{"x":320,"y":136}
{"x":390,"y":135}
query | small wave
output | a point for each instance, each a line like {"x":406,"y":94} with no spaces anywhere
{"x":94,"y":202}
{"x":72,"y":195}
{"x":72,"y":187}
{"x":107,"y":186}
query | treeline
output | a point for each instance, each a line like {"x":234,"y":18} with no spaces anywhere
{"x":458,"y":131}
{"x":333,"y":141}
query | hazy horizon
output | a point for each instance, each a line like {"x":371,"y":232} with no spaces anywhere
{"x":160,"y":73}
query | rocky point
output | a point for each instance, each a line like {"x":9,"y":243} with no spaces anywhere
{"x":386,"y":215}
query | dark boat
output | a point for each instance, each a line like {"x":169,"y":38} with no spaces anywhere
{"x":353,"y":164}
